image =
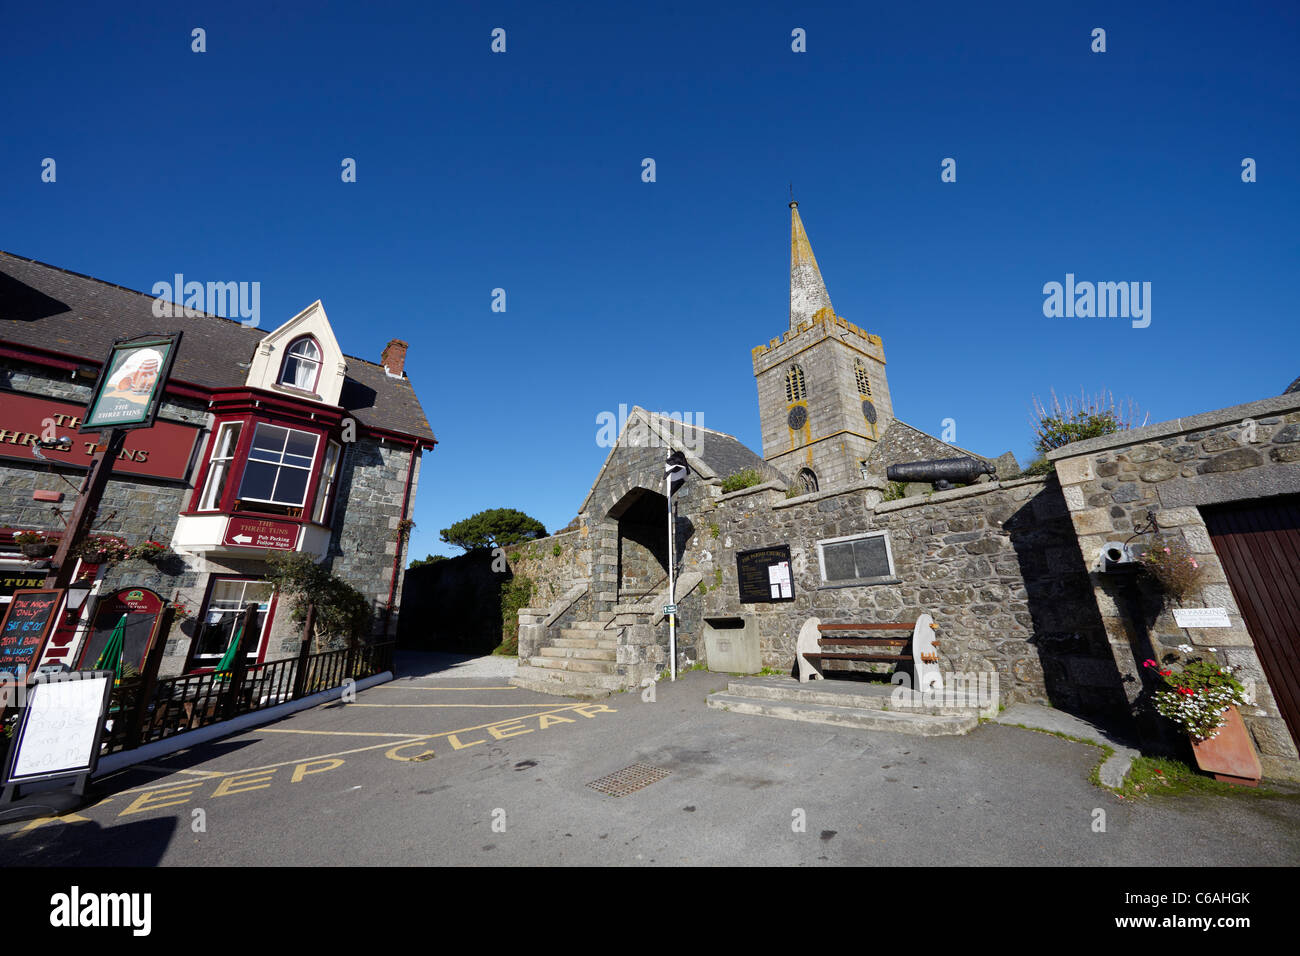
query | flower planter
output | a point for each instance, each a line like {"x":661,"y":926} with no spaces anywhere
{"x":40,"y":550}
{"x":1230,"y":755}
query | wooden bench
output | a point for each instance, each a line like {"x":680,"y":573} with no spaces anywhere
{"x":920,"y":650}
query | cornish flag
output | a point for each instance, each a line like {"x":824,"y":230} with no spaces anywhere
{"x":676,"y":470}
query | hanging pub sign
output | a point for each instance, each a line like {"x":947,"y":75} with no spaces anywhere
{"x":131,"y":383}
{"x":27,"y":622}
{"x":128,"y":618}
{"x":764,"y":575}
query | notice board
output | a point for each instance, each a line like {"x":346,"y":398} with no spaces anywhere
{"x":28,"y":620}
{"x":764,"y":575}
{"x":61,"y":728}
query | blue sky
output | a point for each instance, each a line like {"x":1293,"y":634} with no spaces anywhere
{"x":522,"y":171}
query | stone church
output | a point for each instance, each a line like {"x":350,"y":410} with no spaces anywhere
{"x":1009,"y":568}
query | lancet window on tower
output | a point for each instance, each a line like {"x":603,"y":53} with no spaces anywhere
{"x":864,"y":383}
{"x":795,"y":391}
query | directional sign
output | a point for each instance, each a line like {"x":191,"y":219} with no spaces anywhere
{"x":262,"y":533}
{"x":670,"y":608}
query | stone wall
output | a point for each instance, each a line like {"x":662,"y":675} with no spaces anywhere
{"x":1171,"y":469}
{"x":552,"y":574}
{"x":372,"y":479}
{"x":994,"y":564}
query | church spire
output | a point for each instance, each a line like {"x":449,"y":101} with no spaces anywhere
{"x":808,"y":294}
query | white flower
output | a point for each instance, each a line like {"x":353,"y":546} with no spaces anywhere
{"x":1185,"y":648}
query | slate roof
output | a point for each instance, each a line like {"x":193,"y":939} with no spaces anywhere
{"x":45,"y":307}
{"x":724,"y":454}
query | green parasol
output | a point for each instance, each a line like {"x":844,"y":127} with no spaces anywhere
{"x":111,"y":657}
{"x":228,"y":662}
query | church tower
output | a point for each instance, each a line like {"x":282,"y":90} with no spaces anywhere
{"x":822,"y":395}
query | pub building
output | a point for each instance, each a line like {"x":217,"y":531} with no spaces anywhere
{"x":265,"y":441}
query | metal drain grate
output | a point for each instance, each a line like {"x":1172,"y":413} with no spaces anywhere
{"x":628,"y":780}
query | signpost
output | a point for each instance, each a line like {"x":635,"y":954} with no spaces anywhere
{"x":127,"y":395}
{"x":263,"y":533}
{"x":675,"y":472}
{"x":27,"y":624}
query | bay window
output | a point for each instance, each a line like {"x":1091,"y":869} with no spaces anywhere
{"x":279,"y":467}
{"x":223,"y":457}
{"x":324,"y":510}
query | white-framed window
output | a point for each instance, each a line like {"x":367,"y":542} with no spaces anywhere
{"x":301,"y":364}
{"x":328,"y":474}
{"x":279,"y":466}
{"x":223,"y":455}
{"x":223,"y":614}
{"x":856,"y":558}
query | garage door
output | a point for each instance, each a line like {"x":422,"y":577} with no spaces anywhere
{"x":1259,"y":545}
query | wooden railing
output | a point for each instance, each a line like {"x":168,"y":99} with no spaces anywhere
{"x":191,"y":701}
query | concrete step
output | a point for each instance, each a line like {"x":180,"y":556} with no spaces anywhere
{"x":846,"y":693}
{"x":583,"y":642}
{"x":572,"y":664}
{"x":566,"y":683}
{"x":925,"y":725}
{"x":580,"y":653}
{"x":585,"y":627}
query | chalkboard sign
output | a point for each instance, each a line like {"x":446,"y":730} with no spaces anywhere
{"x":765,"y":575}
{"x":27,"y":623}
{"x":61,"y":728}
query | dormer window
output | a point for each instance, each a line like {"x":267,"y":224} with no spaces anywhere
{"x":301,"y":364}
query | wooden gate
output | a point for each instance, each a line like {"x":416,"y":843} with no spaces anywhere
{"x":1259,"y":545}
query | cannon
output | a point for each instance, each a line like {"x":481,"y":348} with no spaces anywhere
{"x":941,"y":472}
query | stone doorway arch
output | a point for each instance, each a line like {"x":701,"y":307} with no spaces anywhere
{"x":641,"y":522}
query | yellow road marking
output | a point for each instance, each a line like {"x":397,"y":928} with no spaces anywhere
{"x":328,"y":733}
{"x":441,"y":705}
{"x":423,"y":687}
{"x":413,"y":738}
{"x":42,"y":821}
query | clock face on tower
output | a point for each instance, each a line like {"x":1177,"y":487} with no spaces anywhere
{"x":869,"y":411}
{"x":798,"y":417}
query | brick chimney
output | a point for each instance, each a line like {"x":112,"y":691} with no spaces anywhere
{"x":394,"y":357}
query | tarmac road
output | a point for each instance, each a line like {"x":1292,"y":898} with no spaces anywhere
{"x":469,"y":770}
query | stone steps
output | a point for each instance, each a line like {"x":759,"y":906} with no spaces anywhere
{"x":564,"y":683}
{"x":584,"y":628}
{"x":572,"y":664}
{"x":863,"y":704}
{"x":580,"y":653}
{"x":861,"y":694}
{"x":584,"y":642}
{"x":925,"y":725}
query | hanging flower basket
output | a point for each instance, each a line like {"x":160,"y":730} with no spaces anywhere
{"x":37,"y":544}
{"x":104,"y":549}
{"x":1172,"y":566}
{"x":150,"y":551}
